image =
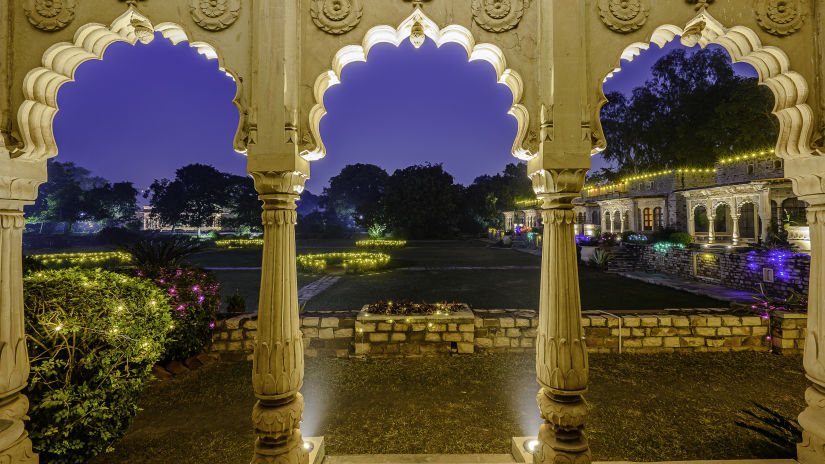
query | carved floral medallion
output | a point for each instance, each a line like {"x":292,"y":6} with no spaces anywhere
{"x":49,"y":15}
{"x":336,"y":16}
{"x":781,"y":17}
{"x":624,"y":15}
{"x":214,"y":15}
{"x":498,"y":15}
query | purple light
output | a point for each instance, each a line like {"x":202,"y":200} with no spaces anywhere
{"x":768,"y":337}
{"x":211,"y":325}
{"x":201,"y":298}
{"x":195,"y":289}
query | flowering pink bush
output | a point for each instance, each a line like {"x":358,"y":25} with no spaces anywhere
{"x":195,"y":298}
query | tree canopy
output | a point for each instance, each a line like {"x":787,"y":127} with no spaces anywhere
{"x":192,"y":198}
{"x":355,"y":192}
{"x":692,"y":111}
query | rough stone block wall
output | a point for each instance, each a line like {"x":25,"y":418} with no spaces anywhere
{"x":741,"y":270}
{"x":341,"y":334}
{"x":737,"y":172}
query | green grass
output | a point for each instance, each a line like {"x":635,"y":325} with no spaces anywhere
{"x":644,"y":407}
{"x":500,"y":290}
{"x":248,"y":284}
{"x":480,"y":288}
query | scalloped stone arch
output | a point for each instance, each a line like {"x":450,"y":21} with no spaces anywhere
{"x":789,"y":88}
{"x":450,"y":34}
{"x":61,"y":61}
{"x":699,"y":205}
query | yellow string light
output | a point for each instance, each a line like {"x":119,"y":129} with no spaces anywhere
{"x":240,"y":243}
{"x":748,"y":156}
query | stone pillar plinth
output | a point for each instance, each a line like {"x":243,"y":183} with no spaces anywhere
{"x":15,"y":446}
{"x":561,"y":355}
{"x":812,"y":419}
{"x":278,"y":359}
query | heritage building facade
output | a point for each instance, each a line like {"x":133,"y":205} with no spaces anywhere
{"x":734,"y":203}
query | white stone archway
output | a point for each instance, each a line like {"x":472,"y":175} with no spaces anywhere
{"x":418,"y":27}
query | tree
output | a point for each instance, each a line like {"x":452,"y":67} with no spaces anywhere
{"x":111,"y":203}
{"x":242,"y":199}
{"x":421,"y":202}
{"x":354,"y":194}
{"x":193,"y":198}
{"x":61,"y":198}
{"x":693,"y":110}
{"x":483,"y":201}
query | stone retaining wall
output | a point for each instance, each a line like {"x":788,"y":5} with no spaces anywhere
{"x":342,"y":334}
{"x":740,"y":270}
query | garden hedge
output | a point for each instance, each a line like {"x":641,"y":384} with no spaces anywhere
{"x":93,"y":339}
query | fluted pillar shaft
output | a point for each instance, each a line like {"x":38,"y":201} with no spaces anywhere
{"x":812,"y":419}
{"x":15,"y":446}
{"x":734,"y":236}
{"x":561,"y":355}
{"x":278,"y":360}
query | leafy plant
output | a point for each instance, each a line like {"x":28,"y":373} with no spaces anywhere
{"x":601,"y":258}
{"x":408,"y":307}
{"x":194,"y":300}
{"x":783,"y":432}
{"x":681,"y":238}
{"x":376,"y":230}
{"x":609,"y":239}
{"x":93,"y":337}
{"x":157,"y":252}
{"x":32,"y":264}
{"x":795,"y":302}
{"x":236,"y":303}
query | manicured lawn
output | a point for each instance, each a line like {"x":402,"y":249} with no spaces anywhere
{"x":248,"y":284}
{"x":496,"y":289}
{"x":500,"y":289}
{"x":644,"y":407}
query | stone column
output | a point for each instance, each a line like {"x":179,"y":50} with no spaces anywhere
{"x":622,"y":219}
{"x":734,"y":236}
{"x":691,"y":220}
{"x":278,"y":361}
{"x":561,"y":355}
{"x":15,"y":446}
{"x":711,"y":222}
{"x":812,"y":419}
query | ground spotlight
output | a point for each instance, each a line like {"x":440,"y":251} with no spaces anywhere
{"x":308,"y":446}
{"x":531,"y":445}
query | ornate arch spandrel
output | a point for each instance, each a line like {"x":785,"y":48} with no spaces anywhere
{"x":395,"y":36}
{"x":61,"y":61}
{"x":789,"y":88}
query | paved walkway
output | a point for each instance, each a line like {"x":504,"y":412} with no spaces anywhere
{"x":308,"y":291}
{"x":692,"y":286}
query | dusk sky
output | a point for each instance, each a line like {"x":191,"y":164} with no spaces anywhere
{"x":146,"y":110}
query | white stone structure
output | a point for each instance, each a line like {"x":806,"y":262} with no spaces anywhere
{"x":284,"y":55}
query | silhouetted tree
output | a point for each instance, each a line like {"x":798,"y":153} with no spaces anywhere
{"x":193,"y":198}
{"x":420,"y":202}
{"x":354,"y":194}
{"x":693,"y":110}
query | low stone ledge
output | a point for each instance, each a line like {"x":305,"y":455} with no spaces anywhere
{"x":351,"y":333}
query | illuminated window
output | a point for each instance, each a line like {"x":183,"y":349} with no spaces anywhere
{"x":657,"y":218}
{"x":648,"y":219}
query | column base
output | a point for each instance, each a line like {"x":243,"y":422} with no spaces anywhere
{"x":19,"y":452}
{"x":812,"y":420}
{"x":560,"y":446}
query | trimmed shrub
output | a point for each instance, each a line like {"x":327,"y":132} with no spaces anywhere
{"x":93,"y":339}
{"x":194,"y":300}
{"x":681,"y":238}
{"x":157,"y":253}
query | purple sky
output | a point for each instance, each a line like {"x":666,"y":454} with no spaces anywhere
{"x":146,"y":110}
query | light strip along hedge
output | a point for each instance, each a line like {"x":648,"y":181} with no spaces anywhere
{"x":240,"y":243}
{"x":380,"y":244}
{"x":90,"y":259}
{"x":354,"y":263}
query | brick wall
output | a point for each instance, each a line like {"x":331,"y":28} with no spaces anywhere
{"x":345,"y":334}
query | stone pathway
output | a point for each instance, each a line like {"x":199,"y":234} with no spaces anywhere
{"x":692,"y":286}
{"x":308,"y":291}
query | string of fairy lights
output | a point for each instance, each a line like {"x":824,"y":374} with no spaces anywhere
{"x":696,"y":171}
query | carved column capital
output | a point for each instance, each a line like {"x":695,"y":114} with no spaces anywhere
{"x":557,"y":188}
